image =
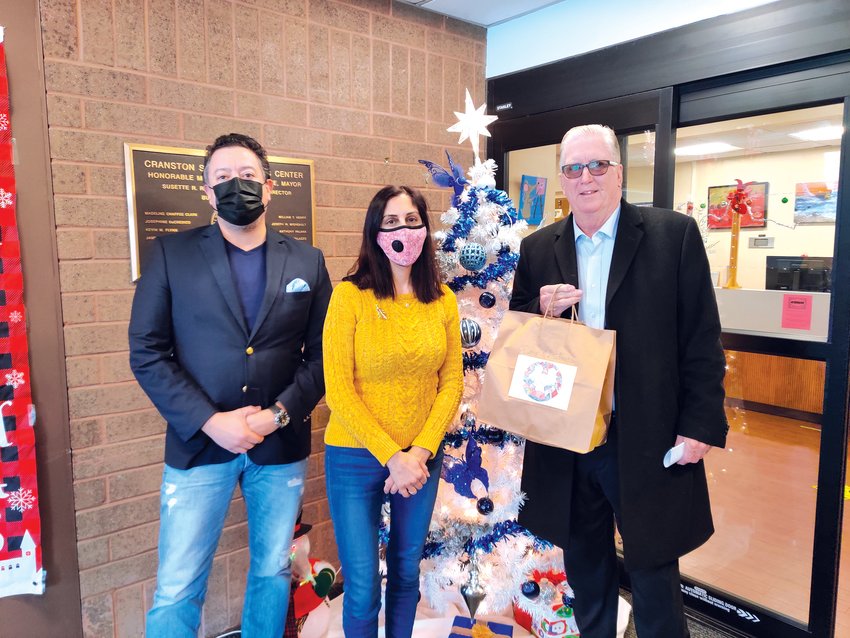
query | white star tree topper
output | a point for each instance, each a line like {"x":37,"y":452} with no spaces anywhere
{"x":472,"y":124}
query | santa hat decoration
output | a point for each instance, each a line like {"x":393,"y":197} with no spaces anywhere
{"x":301,"y":528}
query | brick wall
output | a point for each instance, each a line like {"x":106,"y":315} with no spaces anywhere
{"x":365,"y":88}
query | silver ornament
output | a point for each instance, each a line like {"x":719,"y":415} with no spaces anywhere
{"x":473,"y":593}
{"x":468,"y":419}
{"x":470,"y":333}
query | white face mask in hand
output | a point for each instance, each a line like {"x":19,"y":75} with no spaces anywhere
{"x":674,"y":454}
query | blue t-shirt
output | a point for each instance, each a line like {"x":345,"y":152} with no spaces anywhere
{"x":249,"y":276}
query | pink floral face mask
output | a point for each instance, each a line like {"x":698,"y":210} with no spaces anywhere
{"x":402,"y":245}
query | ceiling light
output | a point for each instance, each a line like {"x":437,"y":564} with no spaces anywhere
{"x":706,"y":148}
{"x":820,"y":134}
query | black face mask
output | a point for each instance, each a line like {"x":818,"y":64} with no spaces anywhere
{"x":239,"y":201}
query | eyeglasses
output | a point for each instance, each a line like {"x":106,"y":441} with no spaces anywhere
{"x":595,"y":167}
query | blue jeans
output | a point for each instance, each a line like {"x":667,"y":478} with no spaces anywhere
{"x":193,"y":505}
{"x":355,"y":486}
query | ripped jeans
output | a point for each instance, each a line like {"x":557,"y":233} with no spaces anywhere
{"x":193,"y":506}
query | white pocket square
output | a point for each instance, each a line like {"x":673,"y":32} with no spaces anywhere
{"x":297,"y":285}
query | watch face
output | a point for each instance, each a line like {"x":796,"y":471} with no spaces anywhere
{"x":281,"y":417}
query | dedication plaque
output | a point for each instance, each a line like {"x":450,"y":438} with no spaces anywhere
{"x":165,"y":194}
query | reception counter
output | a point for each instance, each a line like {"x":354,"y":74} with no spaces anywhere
{"x":780,"y":385}
{"x":774,"y":313}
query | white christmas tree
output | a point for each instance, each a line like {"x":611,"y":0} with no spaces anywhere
{"x":475,"y":543}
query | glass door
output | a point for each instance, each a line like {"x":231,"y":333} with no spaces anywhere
{"x":530,"y":146}
{"x":774,"y":278}
{"x":777,"y":489}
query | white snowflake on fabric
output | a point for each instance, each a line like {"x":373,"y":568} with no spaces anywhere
{"x":15,"y":316}
{"x":15,"y":378}
{"x":4,"y":122}
{"x":5,"y":199}
{"x":21,"y":500}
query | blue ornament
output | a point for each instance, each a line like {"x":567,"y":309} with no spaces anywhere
{"x":470,"y":333}
{"x":487,"y":299}
{"x":473,"y":256}
{"x":485,"y":506}
{"x":505,"y":263}
{"x":530,"y":589}
{"x":493,"y":436}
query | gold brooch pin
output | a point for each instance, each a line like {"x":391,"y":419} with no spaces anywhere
{"x":381,"y":313}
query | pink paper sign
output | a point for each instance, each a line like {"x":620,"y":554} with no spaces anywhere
{"x":797,"y":312}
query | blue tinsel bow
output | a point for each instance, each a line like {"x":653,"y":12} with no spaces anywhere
{"x":460,"y":472}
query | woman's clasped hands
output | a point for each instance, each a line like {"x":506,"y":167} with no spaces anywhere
{"x":408,"y":472}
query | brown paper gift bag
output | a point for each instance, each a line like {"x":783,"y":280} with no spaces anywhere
{"x":550,"y":380}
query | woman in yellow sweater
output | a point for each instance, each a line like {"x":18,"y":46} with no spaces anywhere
{"x":393,"y":378}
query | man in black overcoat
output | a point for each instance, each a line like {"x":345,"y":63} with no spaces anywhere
{"x":642,"y":272}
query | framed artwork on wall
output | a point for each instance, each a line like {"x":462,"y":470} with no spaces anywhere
{"x":532,"y":197}
{"x":720,"y":215}
{"x":815,"y":202}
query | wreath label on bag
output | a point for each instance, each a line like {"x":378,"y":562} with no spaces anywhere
{"x":550,"y":380}
{"x":543,"y":382}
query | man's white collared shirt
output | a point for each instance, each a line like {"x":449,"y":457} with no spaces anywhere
{"x":593,"y":256}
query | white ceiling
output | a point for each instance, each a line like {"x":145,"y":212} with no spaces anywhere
{"x":753,"y":135}
{"x":482,"y":12}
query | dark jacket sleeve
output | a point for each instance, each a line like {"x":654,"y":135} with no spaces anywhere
{"x":183,"y":404}
{"x":308,"y":385}
{"x":702,"y":364}
{"x":526,"y":290}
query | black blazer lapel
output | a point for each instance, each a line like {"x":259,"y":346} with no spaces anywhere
{"x":565,"y":253}
{"x":565,"y":257}
{"x":629,"y":235}
{"x":276,"y":254}
{"x":212,"y":245}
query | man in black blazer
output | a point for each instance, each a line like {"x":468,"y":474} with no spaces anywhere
{"x":642,"y":272}
{"x":226,"y":340}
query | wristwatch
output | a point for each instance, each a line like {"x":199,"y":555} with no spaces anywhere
{"x":281,"y":416}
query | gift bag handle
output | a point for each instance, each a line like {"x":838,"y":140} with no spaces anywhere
{"x":547,"y":314}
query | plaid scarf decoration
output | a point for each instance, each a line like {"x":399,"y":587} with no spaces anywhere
{"x":20,"y":525}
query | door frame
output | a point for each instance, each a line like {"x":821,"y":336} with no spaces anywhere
{"x":630,"y":114}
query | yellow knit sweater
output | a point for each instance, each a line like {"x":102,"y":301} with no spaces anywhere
{"x":393,"y":370}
